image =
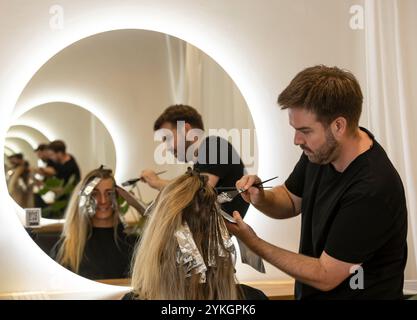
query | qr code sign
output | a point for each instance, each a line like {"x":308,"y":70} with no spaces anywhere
{"x":33,"y":217}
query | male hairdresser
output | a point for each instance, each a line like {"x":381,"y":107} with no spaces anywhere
{"x":213,"y":156}
{"x":348,"y":193}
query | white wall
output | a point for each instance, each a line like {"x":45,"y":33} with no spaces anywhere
{"x":262,"y":45}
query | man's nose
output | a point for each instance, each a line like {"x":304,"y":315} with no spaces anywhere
{"x":298,"y":139}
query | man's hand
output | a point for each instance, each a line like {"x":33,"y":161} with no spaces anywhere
{"x":324,"y":273}
{"x":150,"y":177}
{"x":253,"y":195}
{"x":46,"y":171}
{"x":240,"y":229}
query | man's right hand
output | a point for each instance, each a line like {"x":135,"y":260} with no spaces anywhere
{"x":253,"y":195}
{"x":150,"y":177}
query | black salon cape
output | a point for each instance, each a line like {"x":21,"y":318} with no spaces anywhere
{"x":104,"y":258}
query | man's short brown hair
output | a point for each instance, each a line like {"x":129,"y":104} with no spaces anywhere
{"x":179,"y":112}
{"x":328,"y":92}
{"x":58,"y":146}
{"x":16,"y":156}
{"x":42,"y":147}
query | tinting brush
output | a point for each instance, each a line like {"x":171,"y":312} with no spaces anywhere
{"x":229,"y":196}
{"x":133,"y":181}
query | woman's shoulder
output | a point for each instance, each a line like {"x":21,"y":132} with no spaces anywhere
{"x":130,"y":296}
{"x":251,"y":293}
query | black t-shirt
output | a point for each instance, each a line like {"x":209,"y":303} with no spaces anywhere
{"x":103,"y":258}
{"x":50,"y":163}
{"x":357,"y":216}
{"x":66,"y":170}
{"x":218,"y":157}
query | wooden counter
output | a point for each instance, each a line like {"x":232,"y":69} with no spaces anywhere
{"x":49,"y":228}
{"x":275,"y":290}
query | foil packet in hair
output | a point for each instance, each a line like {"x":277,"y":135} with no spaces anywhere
{"x":188,"y":254}
{"x":220,"y":242}
{"x":247,"y":255}
{"x":224,"y":197}
{"x":225,"y":237}
{"x":87,"y":204}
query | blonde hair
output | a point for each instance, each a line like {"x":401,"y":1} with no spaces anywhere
{"x":155,"y":271}
{"x":77,"y":227}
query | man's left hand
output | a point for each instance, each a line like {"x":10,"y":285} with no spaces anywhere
{"x":240,"y":229}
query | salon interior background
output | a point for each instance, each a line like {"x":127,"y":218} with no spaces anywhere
{"x":261,"y":46}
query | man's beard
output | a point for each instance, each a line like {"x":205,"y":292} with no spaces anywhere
{"x":181,"y":153}
{"x":325,"y":154}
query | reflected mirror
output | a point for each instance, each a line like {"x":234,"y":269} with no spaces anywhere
{"x":39,"y":174}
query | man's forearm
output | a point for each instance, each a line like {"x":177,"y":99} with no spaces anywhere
{"x":276,"y":205}
{"x":305,"y":269}
{"x":47,"y":171}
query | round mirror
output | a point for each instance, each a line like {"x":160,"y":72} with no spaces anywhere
{"x":101,"y":96}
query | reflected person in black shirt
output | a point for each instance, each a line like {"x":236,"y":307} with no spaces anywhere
{"x":65,"y":164}
{"x":350,"y":197}
{"x":93,"y":243}
{"x":213,"y":156}
{"x":61,"y":165}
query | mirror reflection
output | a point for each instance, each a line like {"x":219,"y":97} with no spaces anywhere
{"x":93,"y":242}
{"x":116,"y":85}
{"x":42,"y":173}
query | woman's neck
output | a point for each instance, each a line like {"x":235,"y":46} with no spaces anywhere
{"x":103,"y":223}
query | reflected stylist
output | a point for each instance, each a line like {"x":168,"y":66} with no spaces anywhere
{"x":212,"y":155}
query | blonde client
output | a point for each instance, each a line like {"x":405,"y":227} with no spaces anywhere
{"x":187,"y":248}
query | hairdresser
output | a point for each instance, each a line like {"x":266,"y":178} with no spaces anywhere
{"x":213,"y":156}
{"x":348,"y":193}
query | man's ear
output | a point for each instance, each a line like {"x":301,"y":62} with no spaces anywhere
{"x":339,"y":127}
{"x":187,"y":127}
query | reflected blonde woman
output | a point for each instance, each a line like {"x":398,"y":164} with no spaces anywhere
{"x":93,"y":243}
{"x":186,"y":246}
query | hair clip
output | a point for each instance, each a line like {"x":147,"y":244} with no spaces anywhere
{"x":104,"y":168}
{"x":193,"y":172}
